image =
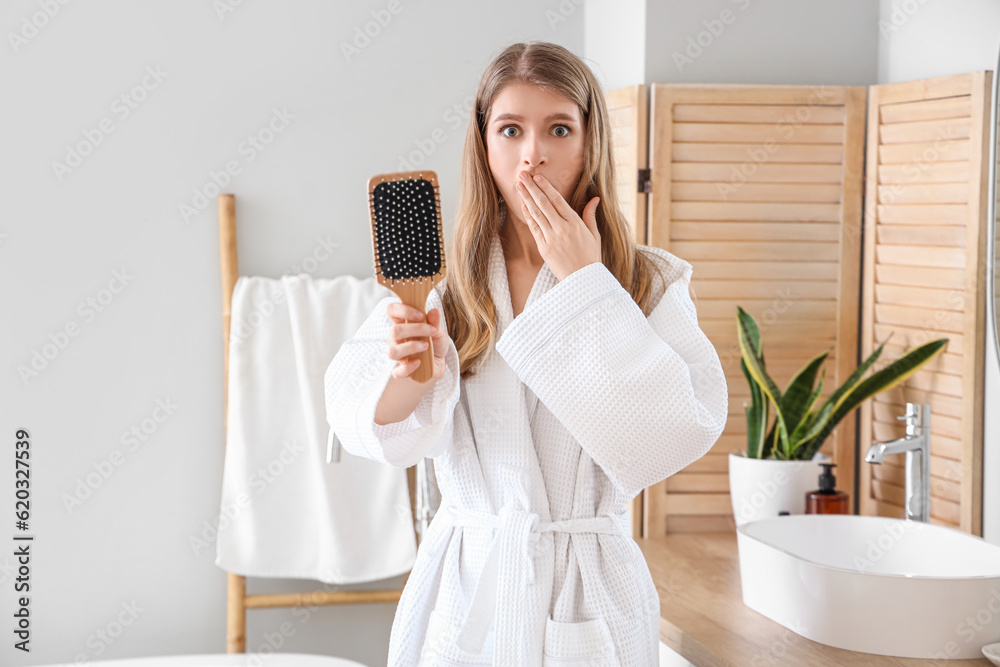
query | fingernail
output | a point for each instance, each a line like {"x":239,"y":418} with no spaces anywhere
{"x":538,"y":179}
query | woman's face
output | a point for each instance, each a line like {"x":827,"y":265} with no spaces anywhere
{"x":544,"y":136}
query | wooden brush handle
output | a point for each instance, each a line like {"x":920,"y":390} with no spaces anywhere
{"x":415,"y":296}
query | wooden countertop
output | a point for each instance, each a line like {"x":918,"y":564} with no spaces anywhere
{"x":703,"y":618}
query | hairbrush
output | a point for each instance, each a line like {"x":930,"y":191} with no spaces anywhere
{"x":408,"y":243}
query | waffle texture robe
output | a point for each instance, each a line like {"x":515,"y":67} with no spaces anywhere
{"x":582,"y":404}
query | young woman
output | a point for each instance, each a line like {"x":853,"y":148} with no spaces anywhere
{"x":569,"y":374}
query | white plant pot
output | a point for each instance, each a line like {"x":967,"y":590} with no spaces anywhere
{"x":761,"y":488}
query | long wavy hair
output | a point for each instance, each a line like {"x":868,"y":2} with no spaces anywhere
{"x":468,"y":305}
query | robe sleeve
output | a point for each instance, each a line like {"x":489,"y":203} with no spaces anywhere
{"x":644,"y":397}
{"x":354,"y":383}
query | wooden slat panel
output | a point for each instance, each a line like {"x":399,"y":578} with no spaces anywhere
{"x":938,"y":88}
{"x":936,"y":214}
{"x":914,"y":336}
{"x":708,"y":463}
{"x":699,"y":483}
{"x":916,"y":297}
{"x":944,"y":404}
{"x":803,"y":212}
{"x":945,"y":193}
{"x":750,"y":153}
{"x":757,"y":113}
{"x":755,"y":231}
{"x":774,"y":250}
{"x":757,"y":192}
{"x":715,"y":309}
{"x":749,"y":269}
{"x":929,"y":172}
{"x":748,"y":289}
{"x":908,"y":112}
{"x":925,"y":151}
{"x":925,"y":131}
{"x":940,"y":322}
{"x":927,"y":277}
{"x":946,"y":258}
{"x":779,"y":331}
{"x":700,"y":524}
{"x":760,"y":133}
{"x":925,"y":230}
{"x":698,"y":503}
{"x":944,"y":235}
{"x":628,"y":117}
{"x":740,"y":170}
{"x":759,"y":188}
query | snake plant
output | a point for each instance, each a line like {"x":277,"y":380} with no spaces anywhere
{"x":801,"y":426}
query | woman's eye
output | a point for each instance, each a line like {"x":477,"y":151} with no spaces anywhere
{"x":503,"y":130}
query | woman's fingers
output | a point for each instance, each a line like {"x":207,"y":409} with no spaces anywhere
{"x":400,"y":312}
{"x":408,"y":349}
{"x":401,"y":332}
{"x":531,"y":212}
{"x":538,"y":203}
{"x":434,"y":320}
{"x":541,"y":188}
{"x":410,"y":334}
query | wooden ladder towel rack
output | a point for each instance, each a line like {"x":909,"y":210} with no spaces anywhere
{"x":238,"y":600}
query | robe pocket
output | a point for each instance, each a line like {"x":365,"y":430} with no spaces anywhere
{"x":577,"y":644}
{"x":440,"y":649}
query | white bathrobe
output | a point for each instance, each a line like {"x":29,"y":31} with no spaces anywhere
{"x":583,"y":403}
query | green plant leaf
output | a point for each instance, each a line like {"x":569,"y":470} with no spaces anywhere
{"x":887,"y":378}
{"x":814,"y":429}
{"x":756,"y":414}
{"x":747,"y":332}
{"x":796,"y":437}
{"x":797,"y":398}
{"x":746,"y":322}
{"x":837,"y":397}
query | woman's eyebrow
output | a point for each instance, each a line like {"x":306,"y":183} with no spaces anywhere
{"x":514,"y":116}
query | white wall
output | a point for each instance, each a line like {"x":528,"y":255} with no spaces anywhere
{"x":925,"y":38}
{"x":301,"y":207}
{"x":801,"y":42}
{"x":614,"y":41}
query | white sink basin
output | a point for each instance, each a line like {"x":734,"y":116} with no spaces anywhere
{"x":872,"y":584}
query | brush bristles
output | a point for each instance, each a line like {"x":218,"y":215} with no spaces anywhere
{"x":409,"y":243}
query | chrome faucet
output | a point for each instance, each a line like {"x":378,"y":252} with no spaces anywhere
{"x":917,"y":446}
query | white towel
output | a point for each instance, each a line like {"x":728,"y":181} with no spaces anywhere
{"x":285,"y":511}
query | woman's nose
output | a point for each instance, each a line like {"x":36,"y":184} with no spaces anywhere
{"x":534,"y":155}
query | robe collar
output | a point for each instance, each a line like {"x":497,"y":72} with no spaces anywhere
{"x":499,"y":407}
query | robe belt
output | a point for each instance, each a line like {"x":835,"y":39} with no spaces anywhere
{"x":510,"y":562}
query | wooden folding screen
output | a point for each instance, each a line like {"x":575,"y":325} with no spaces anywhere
{"x":925,"y":267}
{"x":759,"y":188}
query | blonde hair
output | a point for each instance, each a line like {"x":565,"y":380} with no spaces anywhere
{"x":468,"y":305}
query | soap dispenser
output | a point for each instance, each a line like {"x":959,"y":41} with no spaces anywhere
{"x":826,"y":499}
